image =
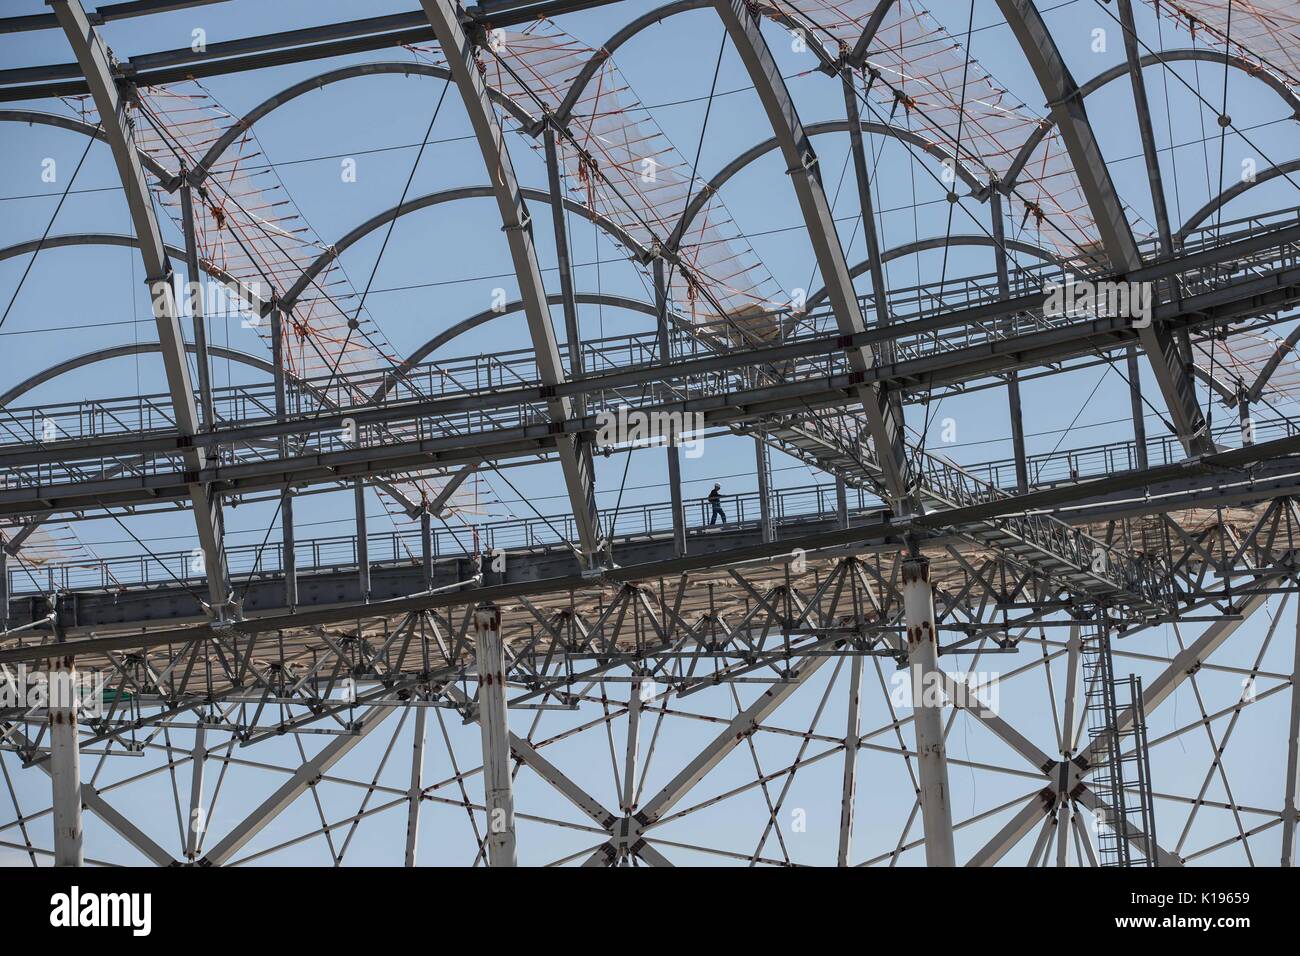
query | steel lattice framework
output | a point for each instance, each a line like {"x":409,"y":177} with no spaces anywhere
{"x":403,"y":696}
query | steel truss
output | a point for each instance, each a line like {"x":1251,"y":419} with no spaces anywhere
{"x":727,"y":672}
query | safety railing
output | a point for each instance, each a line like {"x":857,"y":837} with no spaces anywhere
{"x":1069,"y":465}
{"x":787,"y":507}
{"x":477,"y":375}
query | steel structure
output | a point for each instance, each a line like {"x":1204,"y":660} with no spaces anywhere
{"x":403,"y":693}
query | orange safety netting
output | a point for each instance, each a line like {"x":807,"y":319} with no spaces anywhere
{"x":50,"y":544}
{"x":1237,"y":364}
{"x":1266,"y":31}
{"x":247,"y":226}
{"x":928,"y":85}
{"x":621,"y":166}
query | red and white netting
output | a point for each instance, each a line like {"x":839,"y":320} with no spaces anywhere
{"x":623,"y":168}
{"x":1266,"y":31}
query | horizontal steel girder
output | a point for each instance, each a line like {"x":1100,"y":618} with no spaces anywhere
{"x":1249,"y":295}
{"x":326,"y":466}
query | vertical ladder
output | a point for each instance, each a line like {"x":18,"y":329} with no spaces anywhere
{"x":1121,"y":766}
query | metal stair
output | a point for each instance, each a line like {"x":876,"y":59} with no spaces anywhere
{"x":1121,"y":768}
{"x":835,"y":442}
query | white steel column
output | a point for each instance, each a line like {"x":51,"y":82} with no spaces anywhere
{"x":927,"y":710}
{"x":851,"y":732}
{"x":414,"y":795}
{"x":498,"y":795}
{"x":196,"y":824}
{"x":1290,"y":812}
{"x":631,"y":755}
{"x":65,"y":763}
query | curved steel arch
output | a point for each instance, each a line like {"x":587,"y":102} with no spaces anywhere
{"x":119,"y":351}
{"x":1288,"y":95}
{"x":122,"y":239}
{"x":754,"y":153}
{"x":92,"y":358}
{"x":1183,"y":55}
{"x":1231,"y":193}
{"x":38,"y":118}
{"x":80,"y":239}
{"x":245,"y":122}
{"x":332,"y":252}
{"x":606,"y":50}
{"x":474,"y":321}
{"x":939,"y":242}
{"x":659,"y":14}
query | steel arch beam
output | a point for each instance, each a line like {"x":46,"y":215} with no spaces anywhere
{"x":237,"y":286}
{"x":38,"y":118}
{"x":245,"y":123}
{"x":658,"y":15}
{"x":104,"y":355}
{"x":939,"y":242}
{"x":1066,"y":103}
{"x":756,"y":152}
{"x":487,"y":315}
{"x":93,"y":57}
{"x":333,"y":251}
{"x":1231,"y":193}
{"x":1288,"y":95}
{"x":884,"y":425}
{"x":606,"y":50}
{"x":1253,"y":70}
{"x":574,"y":452}
{"x":118,"y":351}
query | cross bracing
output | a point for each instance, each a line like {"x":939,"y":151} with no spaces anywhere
{"x":708,"y":662}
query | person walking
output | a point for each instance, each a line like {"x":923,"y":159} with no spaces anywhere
{"x":715,"y":501}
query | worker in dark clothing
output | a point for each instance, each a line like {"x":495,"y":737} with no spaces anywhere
{"x":715,"y":501}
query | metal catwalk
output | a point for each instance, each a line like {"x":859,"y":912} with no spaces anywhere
{"x":1032,"y":656}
